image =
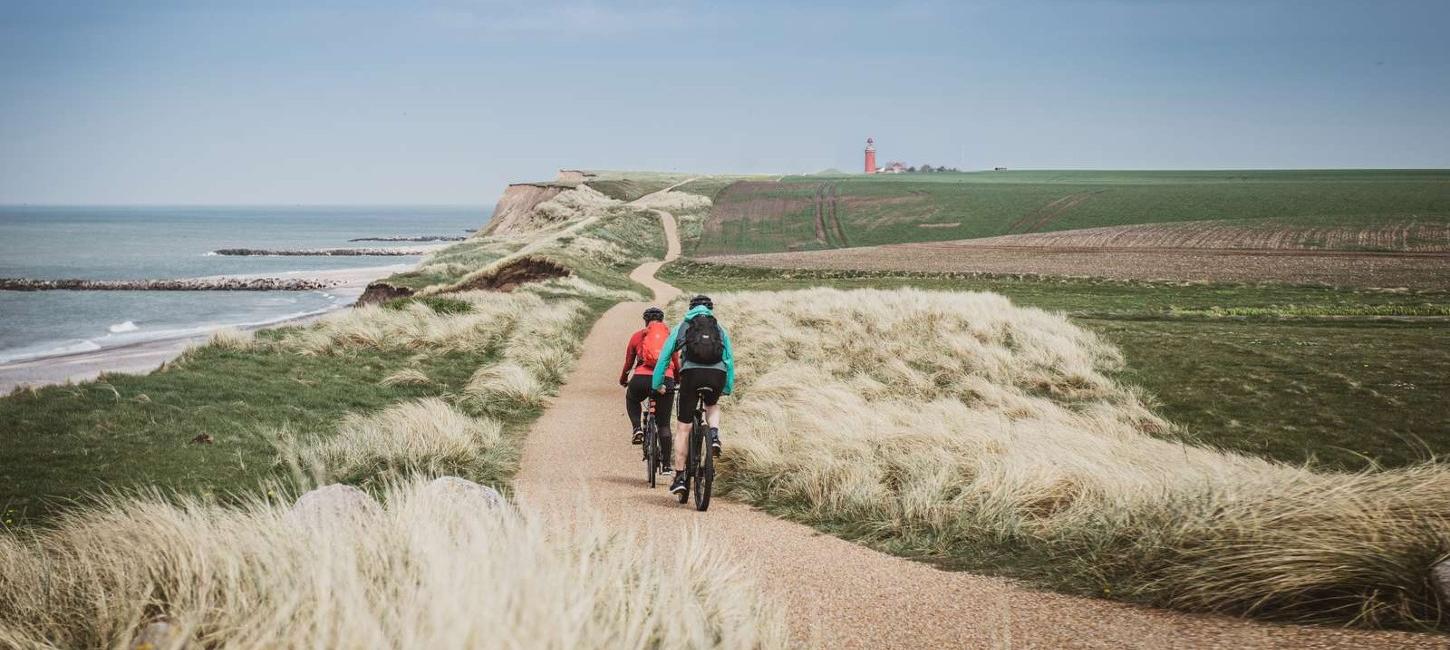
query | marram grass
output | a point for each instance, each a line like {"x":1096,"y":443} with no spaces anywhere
{"x":424,"y":572}
{"x":959,"y":427}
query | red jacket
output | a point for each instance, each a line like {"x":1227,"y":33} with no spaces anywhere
{"x":634,"y":356}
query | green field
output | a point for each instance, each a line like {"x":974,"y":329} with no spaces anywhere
{"x":889,"y":209}
{"x":1306,"y":377}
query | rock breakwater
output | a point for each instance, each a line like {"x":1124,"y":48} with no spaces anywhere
{"x":419,"y":238}
{"x":217,"y":284}
{"x":322,"y":252}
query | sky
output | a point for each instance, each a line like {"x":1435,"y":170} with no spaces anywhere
{"x":445,"y":102}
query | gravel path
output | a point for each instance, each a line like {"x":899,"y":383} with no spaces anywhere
{"x":837,"y":593}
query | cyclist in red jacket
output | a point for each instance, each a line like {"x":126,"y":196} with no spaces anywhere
{"x":640,"y":357}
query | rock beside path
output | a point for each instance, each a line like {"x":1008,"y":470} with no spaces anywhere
{"x":333,"y":503}
{"x":160,"y":634}
{"x":191,"y":284}
{"x":1440,"y":575}
{"x":465,"y":493}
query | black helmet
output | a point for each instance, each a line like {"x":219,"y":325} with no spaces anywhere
{"x":702,"y":299}
{"x":654,"y":313}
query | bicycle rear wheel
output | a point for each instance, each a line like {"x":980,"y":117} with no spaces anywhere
{"x":705,"y":477}
{"x":692,"y":461}
{"x":651,"y":451}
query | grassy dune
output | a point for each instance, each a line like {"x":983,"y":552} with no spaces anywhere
{"x":489,"y":354}
{"x":197,"y":465}
{"x":961,"y":428}
{"x":428,"y":570}
{"x":242,"y":394}
{"x":1346,"y":379}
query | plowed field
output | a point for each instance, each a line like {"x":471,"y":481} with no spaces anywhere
{"x":1416,"y":270}
{"x":1402,"y":236}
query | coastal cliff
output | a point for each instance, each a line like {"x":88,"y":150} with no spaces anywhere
{"x":516,"y":207}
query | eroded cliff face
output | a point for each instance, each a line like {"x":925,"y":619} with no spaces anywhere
{"x":527,"y":208}
{"x":380,"y":292}
{"x":515,"y":208}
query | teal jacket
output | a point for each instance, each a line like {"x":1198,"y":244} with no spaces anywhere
{"x":727,"y":361}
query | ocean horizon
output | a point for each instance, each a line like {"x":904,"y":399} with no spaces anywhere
{"x":136,"y":242}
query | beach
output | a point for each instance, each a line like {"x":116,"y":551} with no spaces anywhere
{"x":145,"y":356}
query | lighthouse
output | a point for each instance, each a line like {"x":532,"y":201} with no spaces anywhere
{"x":870,"y":156}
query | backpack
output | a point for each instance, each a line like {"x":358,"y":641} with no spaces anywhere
{"x":703,"y":341}
{"x":651,"y":344}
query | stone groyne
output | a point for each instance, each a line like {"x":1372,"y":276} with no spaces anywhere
{"x":195,"y":284}
{"x":323,"y":252}
{"x":419,"y":238}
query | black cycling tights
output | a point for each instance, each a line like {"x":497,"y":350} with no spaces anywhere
{"x":634,"y":397}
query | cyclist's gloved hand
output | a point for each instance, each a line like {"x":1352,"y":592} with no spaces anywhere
{"x":624,"y":380}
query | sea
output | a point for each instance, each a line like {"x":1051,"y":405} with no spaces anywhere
{"x":125,"y":243}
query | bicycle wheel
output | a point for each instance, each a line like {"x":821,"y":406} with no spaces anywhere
{"x":705,"y":477}
{"x":691,"y":461}
{"x":651,"y":451}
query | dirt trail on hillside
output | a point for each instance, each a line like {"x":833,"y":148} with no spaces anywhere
{"x":840,"y":594}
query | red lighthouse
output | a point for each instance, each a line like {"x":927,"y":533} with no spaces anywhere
{"x":870,"y":156}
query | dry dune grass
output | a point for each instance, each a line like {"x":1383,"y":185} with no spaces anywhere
{"x":494,"y":319}
{"x":422,"y":572}
{"x":576,"y":286}
{"x":406,"y":377}
{"x":231,"y":338}
{"x":503,"y":387}
{"x":532,"y":342}
{"x":675,"y":202}
{"x":427,"y":436}
{"x":570,"y":205}
{"x":691,"y":211}
{"x":959,"y":426}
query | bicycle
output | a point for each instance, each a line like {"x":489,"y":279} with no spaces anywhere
{"x":652,"y":453}
{"x":699,"y":467}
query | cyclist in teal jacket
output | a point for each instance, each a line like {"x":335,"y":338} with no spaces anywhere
{"x":717,"y":375}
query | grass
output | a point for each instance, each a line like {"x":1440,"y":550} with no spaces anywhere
{"x":128,"y":431}
{"x":711,"y":186}
{"x":1345,"y":394}
{"x":1089,"y":297}
{"x":599,"y":250}
{"x":184,"y":479}
{"x":241,"y":393}
{"x":429,"y":568}
{"x":888,"y":209}
{"x":446,"y":265}
{"x":959,"y":428}
{"x":630,"y":185}
{"x":438,"y":304}
{"x":427,"y":437}
{"x":1296,"y":374}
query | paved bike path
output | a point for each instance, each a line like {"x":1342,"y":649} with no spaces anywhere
{"x":837,"y":593}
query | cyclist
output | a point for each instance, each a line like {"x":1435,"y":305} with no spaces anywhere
{"x":706,"y":362}
{"x":639,"y":365}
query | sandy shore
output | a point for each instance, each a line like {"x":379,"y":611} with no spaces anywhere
{"x":143,"y":357}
